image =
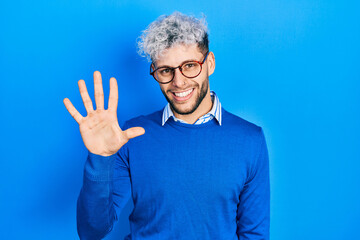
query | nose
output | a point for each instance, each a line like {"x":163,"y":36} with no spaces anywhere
{"x":179,"y":80}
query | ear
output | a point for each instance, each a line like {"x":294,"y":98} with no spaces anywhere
{"x":211,"y":63}
{"x":152,"y":66}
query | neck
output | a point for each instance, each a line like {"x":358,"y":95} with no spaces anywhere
{"x":204,"y":107}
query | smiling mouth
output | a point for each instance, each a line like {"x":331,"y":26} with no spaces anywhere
{"x":182,"y":96}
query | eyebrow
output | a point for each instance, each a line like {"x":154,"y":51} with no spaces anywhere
{"x":189,"y":60}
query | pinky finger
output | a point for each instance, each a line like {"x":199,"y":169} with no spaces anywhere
{"x":72,"y":110}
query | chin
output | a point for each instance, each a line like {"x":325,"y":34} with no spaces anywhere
{"x":183,"y":110}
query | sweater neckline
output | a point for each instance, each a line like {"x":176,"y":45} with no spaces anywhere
{"x":212,"y":122}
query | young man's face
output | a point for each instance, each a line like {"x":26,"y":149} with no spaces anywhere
{"x":192,"y":90}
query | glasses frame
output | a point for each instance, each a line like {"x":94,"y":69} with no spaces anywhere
{"x":152,"y":73}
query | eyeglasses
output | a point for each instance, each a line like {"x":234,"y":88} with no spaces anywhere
{"x":189,"y":69}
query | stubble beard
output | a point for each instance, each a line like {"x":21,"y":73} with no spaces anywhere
{"x":199,"y":99}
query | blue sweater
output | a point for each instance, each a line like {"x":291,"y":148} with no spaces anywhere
{"x":186,"y":182}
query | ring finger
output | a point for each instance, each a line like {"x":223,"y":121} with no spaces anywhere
{"x":85,"y":96}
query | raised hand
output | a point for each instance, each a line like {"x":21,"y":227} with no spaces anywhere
{"x":100,"y":129}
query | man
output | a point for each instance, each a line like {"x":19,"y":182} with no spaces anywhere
{"x":199,"y":172}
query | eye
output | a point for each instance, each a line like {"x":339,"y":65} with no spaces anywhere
{"x":190,"y":65}
{"x":164,"y":71}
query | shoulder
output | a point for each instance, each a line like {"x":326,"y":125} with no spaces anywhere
{"x":236,"y":125}
{"x":248,"y":134}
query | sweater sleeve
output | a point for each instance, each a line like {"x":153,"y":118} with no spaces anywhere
{"x":105,"y":191}
{"x":253,"y":212}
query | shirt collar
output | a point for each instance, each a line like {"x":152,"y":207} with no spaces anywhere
{"x":215,"y":110}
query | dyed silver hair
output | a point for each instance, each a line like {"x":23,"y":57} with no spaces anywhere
{"x":168,"y":31}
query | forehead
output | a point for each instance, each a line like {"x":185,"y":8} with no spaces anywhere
{"x":177,"y":54}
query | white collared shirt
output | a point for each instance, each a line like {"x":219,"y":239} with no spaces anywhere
{"x":214,"y":112}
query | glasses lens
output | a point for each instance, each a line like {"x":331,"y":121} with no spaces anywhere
{"x":191,"y":69}
{"x":188,"y":69}
{"x":164,"y":74}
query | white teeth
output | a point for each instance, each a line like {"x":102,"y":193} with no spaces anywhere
{"x":183,"y":94}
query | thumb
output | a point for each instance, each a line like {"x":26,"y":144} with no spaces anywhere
{"x":134,"y":132}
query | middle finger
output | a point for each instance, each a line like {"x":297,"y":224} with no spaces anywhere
{"x":98,"y":89}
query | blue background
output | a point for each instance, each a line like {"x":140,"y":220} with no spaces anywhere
{"x":289,"y":66}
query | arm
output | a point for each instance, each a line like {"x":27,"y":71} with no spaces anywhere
{"x":253,"y":213}
{"x":106,"y":183}
{"x":105,"y":191}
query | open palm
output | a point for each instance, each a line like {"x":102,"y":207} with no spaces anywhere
{"x":100,"y":129}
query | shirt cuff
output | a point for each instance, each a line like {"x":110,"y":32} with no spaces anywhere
{"x":99,"y":168}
